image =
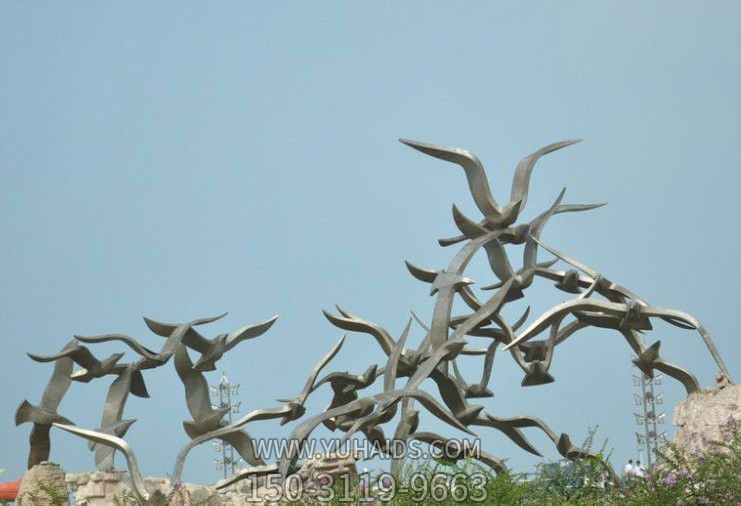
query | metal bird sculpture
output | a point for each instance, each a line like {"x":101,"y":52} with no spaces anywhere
{"x":45,"y":414}
{"x":211,"y":349}
{"x":598,"y":302}
{"x":94,"y":368}
{"x":296,"y":404}
{"x":207,"y":418}
{"x":112,"y":421}
{"x":478,"y":183}
{"x":152,"y":358}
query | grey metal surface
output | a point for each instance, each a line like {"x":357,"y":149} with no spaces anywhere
{"x":116,"y":443}
{"x":45,"y":414}
{"x":206,"y":417}
{"x":211,"y":349}
{"x":112,"y":421}
{"x":296,"y":404}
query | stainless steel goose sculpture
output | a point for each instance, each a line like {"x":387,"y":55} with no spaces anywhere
{"x":597,"y":303}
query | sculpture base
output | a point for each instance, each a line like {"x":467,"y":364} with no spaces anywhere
{"x":114,"y":487}
{"x":43,"y":485}
{"x":706,"y":417}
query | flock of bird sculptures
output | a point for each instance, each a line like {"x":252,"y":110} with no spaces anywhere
{"x":350,"y":411}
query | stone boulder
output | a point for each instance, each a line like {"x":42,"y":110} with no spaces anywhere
{"x":708,"y":416}
{"x":43,"y":485}
{"x":105,"y":488}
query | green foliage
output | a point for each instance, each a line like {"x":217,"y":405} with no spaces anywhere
{"x":58,"y":497}
{"x":126,"y":498}
{"x":678,"y":479}
{"x":47,"y":491}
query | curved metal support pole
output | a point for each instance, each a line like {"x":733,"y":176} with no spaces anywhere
{"x":138,"y":486}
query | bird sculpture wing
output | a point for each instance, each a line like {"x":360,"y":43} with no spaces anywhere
{"x":486,"y":312}
{"x":127,"y":340}
{"x":241,"y":441}
{"x":530,"y":257}
{"x":470,"y":228}
{"x":498,"y":260}
{"x":408,"y":422}
{"x":366,"y":422}
{"x":689,"y":320}
{"x":249,"y":332}
{"x":347,"y":380}
{"x":138,"y":386}
{"x":59,"y":382}
{"x":355,"y":324}
{"x":112,"y":417}
{"x":510,"y":427}
{"x":547,"y":318}
{"x":392,"y":366}
{"x":185,"y":331}
{"x":521,"y":181}
{"x":447,"y":351}
{"x":446,"y":292}
{"x":688,"y":380}
{"x":617,"y":309}
{"x":302,"y":396}
{"x":620,"y":290}
{"x":115,"y":402}
{"x":478,"y":183}
{"x":197,"y":393}
{"x":81,"y":355}
{"x":488,"y":365}
{"x":458,"y":377}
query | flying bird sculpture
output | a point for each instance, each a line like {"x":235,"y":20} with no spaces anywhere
{"x":410,"y":363}
{"x":211,"y":350}
{"x":296,"y":404}
{"x":206,"y":417}
{"x":44,"y":415}
{"x":93,"y":368}
{"x":112,"y":421}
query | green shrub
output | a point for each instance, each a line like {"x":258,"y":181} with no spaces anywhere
{"x":677,"y":479}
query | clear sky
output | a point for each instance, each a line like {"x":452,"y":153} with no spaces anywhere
{"x":180,"y":159}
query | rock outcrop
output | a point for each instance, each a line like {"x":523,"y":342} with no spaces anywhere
{"x":103,"y":488}
{"x":707,"y":417}
{"x":47,"y":485}
{"x":43,"y":485}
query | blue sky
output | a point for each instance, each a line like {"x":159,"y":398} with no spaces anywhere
{"x":178,"y":160}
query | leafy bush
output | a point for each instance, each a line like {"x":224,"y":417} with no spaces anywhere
{"x":678,"y":479}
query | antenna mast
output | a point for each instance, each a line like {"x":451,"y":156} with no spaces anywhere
{"x":648,"y":398}
{"x":223,"y":396}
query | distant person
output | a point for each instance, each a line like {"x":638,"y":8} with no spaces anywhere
{"x":629,"y":469}
{"x":639,"y":470}
{"x":604,"y":480}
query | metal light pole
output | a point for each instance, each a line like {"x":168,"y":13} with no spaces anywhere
{"x":223,"y":395}
{"x":651,"y":439}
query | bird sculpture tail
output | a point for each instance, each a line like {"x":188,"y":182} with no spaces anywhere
{"x":27,"y":412}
